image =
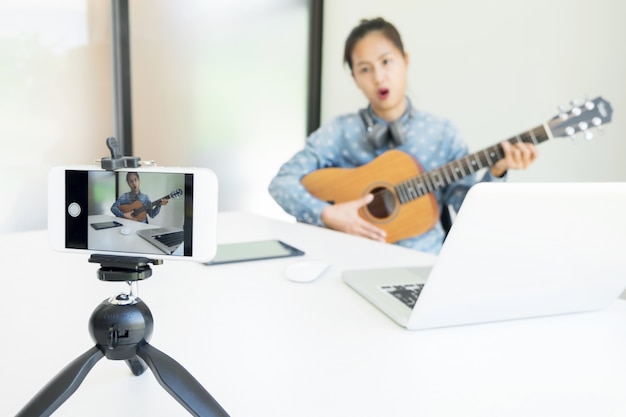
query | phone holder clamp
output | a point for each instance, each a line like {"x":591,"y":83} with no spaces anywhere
{"x":117,"y":160}
{"x":123,"y":268}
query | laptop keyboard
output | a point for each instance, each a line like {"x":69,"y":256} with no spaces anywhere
{"x":172,"y":238}
{"x":407,"y":293}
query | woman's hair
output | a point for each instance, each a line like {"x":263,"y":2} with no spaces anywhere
{"x":365,"y":27}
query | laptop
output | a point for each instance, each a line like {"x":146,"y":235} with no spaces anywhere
{"x":515,"y":250}
{"x":167,"y":239}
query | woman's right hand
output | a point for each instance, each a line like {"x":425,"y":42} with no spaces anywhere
{"x":344,"y":217}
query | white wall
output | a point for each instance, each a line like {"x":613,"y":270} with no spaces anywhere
{"x":498,"y":68}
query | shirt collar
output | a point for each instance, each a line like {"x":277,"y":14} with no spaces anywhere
{"x":408,"y":112}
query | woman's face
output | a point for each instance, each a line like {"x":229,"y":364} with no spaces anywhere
{"x":133,"y":183}
{"x":379,"y":70}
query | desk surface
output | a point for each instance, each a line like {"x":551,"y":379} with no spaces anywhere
{"x":106,"y":239}
{"x":265,"y":346}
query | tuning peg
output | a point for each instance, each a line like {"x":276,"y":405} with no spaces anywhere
{"x":584,"y":127}
{"x":597,"y":123}
{"x":589,"y":105}
{"x":576,"y":111}
{"x":562,"y":112}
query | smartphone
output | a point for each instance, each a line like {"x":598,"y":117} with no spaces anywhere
{"x":156,"y":212}
{"x":253,"y":251}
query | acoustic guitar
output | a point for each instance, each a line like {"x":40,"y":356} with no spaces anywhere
{"x":404,"y":204}
{"x":139,"y":211}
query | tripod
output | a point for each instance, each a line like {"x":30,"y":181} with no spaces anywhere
{"x":121,"y":326}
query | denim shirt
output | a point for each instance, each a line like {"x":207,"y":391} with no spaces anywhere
{"x":130,"y":198}
{"x":433,"y":141}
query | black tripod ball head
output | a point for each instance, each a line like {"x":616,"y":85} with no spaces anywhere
{"x":121,"y":328}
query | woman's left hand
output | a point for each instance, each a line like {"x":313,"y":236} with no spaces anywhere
{"x":516,"y":156}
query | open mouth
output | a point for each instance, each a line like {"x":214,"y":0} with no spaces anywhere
{"x":383,"y":93}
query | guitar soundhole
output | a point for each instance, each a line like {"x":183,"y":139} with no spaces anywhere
{"x":383,"y":204}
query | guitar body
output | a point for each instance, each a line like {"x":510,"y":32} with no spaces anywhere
{"x":140,"y":212}
{"x":136,"y":208}
{"x":400,"y":221}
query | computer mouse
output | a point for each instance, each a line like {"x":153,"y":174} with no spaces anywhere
{"x":306,"y":271}
{"x":126,"y":230}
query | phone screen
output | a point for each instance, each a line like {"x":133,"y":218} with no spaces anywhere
{"x":129,"y":212}
{"x":253,"y":251}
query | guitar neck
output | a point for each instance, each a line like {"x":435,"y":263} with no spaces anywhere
{"x":451,"y":172}
{"x":157,"y":202}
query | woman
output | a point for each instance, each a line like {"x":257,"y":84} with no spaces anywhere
{"x":375,"y":55}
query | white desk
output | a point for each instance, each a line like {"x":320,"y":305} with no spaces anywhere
{"x":264,"y":346}
{"x":106,"y":239}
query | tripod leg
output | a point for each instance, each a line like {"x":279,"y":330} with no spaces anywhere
{"x":136,"y":366}
{"x":62,"y":386}
{"x":180,"y":384}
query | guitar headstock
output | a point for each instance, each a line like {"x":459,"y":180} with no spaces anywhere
{"x":176,"y":193}
{"x":581,"y":118}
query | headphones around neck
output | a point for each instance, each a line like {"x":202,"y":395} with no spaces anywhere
{"x":378,"y":134}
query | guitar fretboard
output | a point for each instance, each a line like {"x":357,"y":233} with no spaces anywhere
{"x":447,"y":174}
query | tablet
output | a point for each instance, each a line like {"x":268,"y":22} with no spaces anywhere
{"x":253,"y":251}
{"x":105,"y":225}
